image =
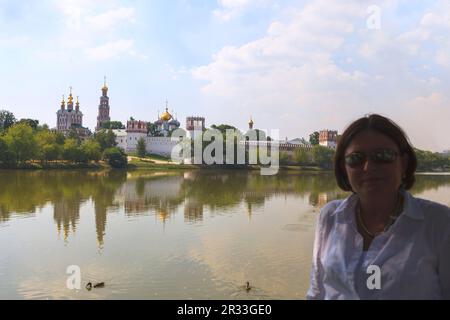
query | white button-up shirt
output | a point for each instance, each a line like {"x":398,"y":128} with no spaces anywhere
{"x":413,"y":255}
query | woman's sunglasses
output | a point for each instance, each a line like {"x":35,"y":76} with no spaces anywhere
{"x":379,"y":156}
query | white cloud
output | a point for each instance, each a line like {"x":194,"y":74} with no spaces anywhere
{"x":430,"y":38}
{"x":88,"y":22}
{"x":111,"y":18}
{"x":297,"y":77}
{"x":231,"y":9}
{"x":425,"y":110}
{"x":112,"y":50}
{"x":291,"y":63}
{"x":73,"y":11}
{"x":14,"y":41}
{"x":443,"y":57}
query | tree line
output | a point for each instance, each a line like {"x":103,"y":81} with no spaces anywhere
{"x":323,"y":157}
{"x":25,"y":141}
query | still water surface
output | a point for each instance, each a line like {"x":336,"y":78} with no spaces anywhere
{"x":183,"y":235}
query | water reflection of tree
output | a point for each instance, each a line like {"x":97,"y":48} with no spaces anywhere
{"x":21,"y":193}
{"x":216,"y":189}
{"x":430,"y":182}
{"x":160,"y":195}
{"x":26,"y":191}
{"x":193,"y":211}
{"x":103,"y":198}
{"x":228,"y":189}
{"x":320,"y":188}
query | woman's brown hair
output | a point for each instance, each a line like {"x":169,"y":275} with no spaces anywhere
{"x":382,"y":125}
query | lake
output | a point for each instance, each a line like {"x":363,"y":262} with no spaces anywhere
{"x":166,"y":235}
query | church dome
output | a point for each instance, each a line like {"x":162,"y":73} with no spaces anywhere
{"x":166,"y":116}
{"x":105,"y":87}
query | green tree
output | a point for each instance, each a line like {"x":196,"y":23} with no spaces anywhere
{"x":314,"y":138}
{"x":71,"y":150}
{"x":92,"y":150}
{"x":429,"y":161}
{"x":3,"y":150}
{"x":284,"y":157}
{"x":322,"y":156}
{"x":32,"y":123}
{"x":7,"y":158}
{"x":238,"y":136}
{"x":21,"y":142}
{"x":151,"y":128}
{"x":48,"y":148}
{"x":60,"y":138}
{"x":114,"y":125}
{"x":224,"y":127}
{"x":81,"y":155}
{"x":116,"y":157}
{"x":106,"y":139}
{"x":141,"y":148}
{"x":73,"y":134}
{"x":302,"y":156}
{"x":261,"y":135}
{"x":7,"y":119}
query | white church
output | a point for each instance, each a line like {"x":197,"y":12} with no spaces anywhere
{"x":157,"y":135}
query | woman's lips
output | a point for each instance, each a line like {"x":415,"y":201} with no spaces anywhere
{"x":372,"y":179}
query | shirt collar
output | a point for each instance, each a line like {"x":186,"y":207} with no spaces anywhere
{"x":344,"y":212}
{"x":411,"y":208}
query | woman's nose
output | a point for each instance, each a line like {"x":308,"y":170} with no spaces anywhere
{"x":368,"y":164}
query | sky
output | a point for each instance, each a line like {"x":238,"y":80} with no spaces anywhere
{"x":297,"y":66}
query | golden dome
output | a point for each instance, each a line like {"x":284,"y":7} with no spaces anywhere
{"x":166,"y":116}
{"x":70,"y":98}
{"x":105,"y":87}
{"x":251,"y":121}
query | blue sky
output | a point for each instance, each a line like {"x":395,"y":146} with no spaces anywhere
{"x":296,"y":66}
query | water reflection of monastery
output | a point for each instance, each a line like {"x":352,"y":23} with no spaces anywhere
{"x":190,"y":195}
{"x":160,"y":196}
{"x":66,"y":214}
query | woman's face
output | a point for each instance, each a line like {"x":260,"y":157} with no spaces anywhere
{"x":374,"y":178}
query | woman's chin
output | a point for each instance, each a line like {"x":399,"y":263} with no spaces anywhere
{"x":375,"y":190}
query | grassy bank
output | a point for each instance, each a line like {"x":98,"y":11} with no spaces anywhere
{"x":161,"y":163}
{"x":154,"y":163}
{"x":148,"y":164}
{"x":58,"y":166}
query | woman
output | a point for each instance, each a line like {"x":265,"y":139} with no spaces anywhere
{"x":380,"y":242}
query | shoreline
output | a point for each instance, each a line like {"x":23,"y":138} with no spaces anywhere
{"x":137,"y":165}
{"x":161,"y":164}
{"x":151,"y":166}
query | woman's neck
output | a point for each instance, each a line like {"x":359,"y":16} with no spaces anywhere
{"x":376,"y":210}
